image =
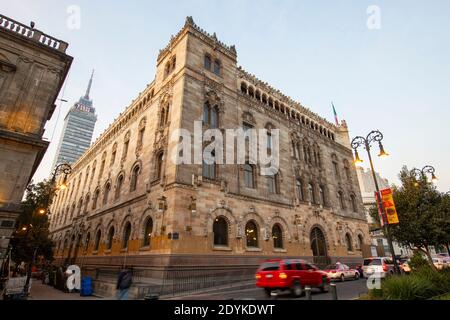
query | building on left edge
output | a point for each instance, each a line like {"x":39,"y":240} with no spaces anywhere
{"x":33,"y":68}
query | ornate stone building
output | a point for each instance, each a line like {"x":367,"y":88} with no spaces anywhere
{"x":128,"y":203}
{"x":33,"y":67}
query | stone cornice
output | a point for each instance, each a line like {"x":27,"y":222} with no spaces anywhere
{"x":195,"y":30}
{"x":266,"y":88}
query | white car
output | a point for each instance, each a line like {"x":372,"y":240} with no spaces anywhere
{"x":439,"y":263}
{"x":380,"y":267}
{"x":341,"y":272}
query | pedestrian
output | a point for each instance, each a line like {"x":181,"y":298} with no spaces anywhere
{"x":124,"y":283}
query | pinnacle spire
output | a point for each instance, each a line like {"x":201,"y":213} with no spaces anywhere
{"x":88,"y":90}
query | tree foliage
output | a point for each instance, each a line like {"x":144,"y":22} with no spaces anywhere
{"x":423,"y":213}
{"x":32,"y":226}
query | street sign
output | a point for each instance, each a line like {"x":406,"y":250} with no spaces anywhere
{"x":389,"y":206}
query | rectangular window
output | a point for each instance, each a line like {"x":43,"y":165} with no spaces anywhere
{"x":271,"y":184}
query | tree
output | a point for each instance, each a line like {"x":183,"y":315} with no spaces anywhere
{"x":422,"y":213}
{"x":32,"y":231}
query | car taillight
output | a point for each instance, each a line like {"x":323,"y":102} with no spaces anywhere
{"x":258,"y":276}
{"x":385,"y":268}
{"x":282,"y":275}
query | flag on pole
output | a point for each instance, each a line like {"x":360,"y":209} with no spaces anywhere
{"x":335,"y":114}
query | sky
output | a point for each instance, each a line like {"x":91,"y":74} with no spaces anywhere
{"x":384,"y":64}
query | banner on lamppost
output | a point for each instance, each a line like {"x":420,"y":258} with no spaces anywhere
{"x":381,"y":212}
{"x":389,"y":206}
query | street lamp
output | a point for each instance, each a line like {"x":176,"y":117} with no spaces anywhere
{"x":366,"y":142}
{"x":61,"y":168}
{"x":422,"y":173}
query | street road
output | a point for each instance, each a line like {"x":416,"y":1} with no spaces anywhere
{"x":348,"y":290}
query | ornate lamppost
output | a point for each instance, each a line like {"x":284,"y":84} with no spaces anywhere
{"x":422,"y":173}
{"x":375,"y":136}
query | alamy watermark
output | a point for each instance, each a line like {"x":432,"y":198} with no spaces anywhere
{"x":374,"y":19}
{"x":236,"y":146}
{"x":73,"y":21}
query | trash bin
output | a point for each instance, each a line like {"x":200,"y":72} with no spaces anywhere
{"x":86,"y":287}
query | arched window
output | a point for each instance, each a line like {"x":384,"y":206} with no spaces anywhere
{"x":243,"y":88}
{"x":209,"y":169}
{"x":299,"y":188}
{"x":88,"y":241}
{"x":98,"y":237}
{"x":140,"y":141}
{"x":207,"y":62}
{"x":220,"y":230}
{"x":109,"y":243}
{"x":322,"y":196}
{"x":167,"y":69}
{"x":269,"y":140}
{"x":95,"y":199}
{"x":134,"y":178}
{"x":113,"y":154}
{"x":311,"y":195}
{"x":335,"y":166}
{"x":173,"y":64}
{"x":214,"y":117}
{"x":217,"y":67}
{"x":251,"y":234}
{"x":347,"y":170}
{"x":277,"y":236}
{"x":206,"y":113}
{"x":348,"y":242}
{"x":341,"y":200}
{"x":159,"y":165}
{"x":248,"y":176}
{"x":126,"y":235}
{"x":102,"y":165}
{"x":318,"y":243}
{"x":353,"y":201}
{"x":126,"y":144}
{"x":119,"y":186}
{"x":251,"y":92}
{"x":86,"y":203}
{"x":360,"y":241}
{"x":148,"y":232}
{"x":106,"y":195}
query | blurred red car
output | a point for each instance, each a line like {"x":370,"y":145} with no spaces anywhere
{"x":290,"y":274}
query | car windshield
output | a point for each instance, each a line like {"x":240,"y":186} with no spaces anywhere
{"x":372,"y":262}
{"x":270,"y":266}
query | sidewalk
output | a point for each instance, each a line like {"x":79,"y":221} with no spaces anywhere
{"x":40,"y":291}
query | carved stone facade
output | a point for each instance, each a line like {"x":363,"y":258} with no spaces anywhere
{"x":33,"y":67}
{"x":180,"y":217}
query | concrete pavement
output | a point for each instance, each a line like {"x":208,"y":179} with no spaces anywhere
{"x":40,"y":291}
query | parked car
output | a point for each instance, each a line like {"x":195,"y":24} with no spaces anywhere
{"x":439,"y":263}
{"x":404,"y":267}
{"x":341,"y":272}
{"x":378,"y":266}
{"x":290,"y":274}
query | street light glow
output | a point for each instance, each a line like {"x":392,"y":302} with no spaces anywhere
{"x":357,"y":160}
{"x":434,"y":178}
{"x":383,"y":154}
